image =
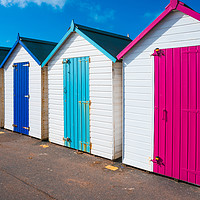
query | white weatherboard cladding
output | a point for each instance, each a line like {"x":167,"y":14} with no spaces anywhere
{"x":176,"y":30}
{"x":17,"y":56}
{"x":101,"y":95}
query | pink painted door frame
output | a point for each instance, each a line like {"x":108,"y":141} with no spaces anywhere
{"x":177,"y":113}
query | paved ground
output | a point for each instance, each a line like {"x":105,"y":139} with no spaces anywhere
{"x":29,"y":171}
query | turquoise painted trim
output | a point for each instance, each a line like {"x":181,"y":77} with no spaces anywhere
{"x":96,"y":45}
{"x":23,"y":45}
{"x":72,"y":29}
{"x":6,"y":58}
{"x":58,"y":45}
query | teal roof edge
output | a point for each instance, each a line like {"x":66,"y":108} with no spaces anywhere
{"x":58,"y":45}
{"x":72,"y":29}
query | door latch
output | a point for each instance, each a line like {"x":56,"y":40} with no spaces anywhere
{"x":164,"y":115}
{"x":27,"y":128}
{"x":27,"y":96}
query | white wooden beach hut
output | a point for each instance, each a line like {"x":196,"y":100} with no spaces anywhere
{"x":25,"y":87}
{"x":161,"y":95}
{"x":85,"y":91}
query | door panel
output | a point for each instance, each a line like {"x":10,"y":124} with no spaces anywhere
{"x":176,"y":147}
{"x":76,"y":103}
{"x":21,"y":97}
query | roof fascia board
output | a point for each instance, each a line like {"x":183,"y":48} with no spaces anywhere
{"x":10,"y":52}
{"x":147,"y":30}
{"x":23,"y":45}
{"x":188,"y":11}
{"x":58,"y":46}
{"x":96,"y":45}
{"x":174,"y":5}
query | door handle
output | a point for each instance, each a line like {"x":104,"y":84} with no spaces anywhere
{"x":65,"y":90}
{"x":164,"y":115}
{"x":27,"y":96}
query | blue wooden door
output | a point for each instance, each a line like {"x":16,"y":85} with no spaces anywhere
{"x":21,"y":97}
{"x":76,"y":103}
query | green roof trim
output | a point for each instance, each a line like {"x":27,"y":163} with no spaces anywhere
{"x":109,"y":44}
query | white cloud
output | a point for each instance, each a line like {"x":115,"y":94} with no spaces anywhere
{"x":96,"y":12}
{"x":24,"y":3}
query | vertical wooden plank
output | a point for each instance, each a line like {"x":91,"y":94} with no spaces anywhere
{"x":14,"y":97}
{"x":72,"y":102}
{"x":156,"y":112}
{"x":192,"y":115}
{"x":169,"y":112}
{"x":184,"y":115}
{"x":2,"y":98}
{"x":198,"y":120}
{"x":176,"y":112}
{"x":44,"y":102}
{"x":68,"y":110}
{"x":65,"y":93}
{"x":83,"y":103}
{"x":162,"y":108}
{"x":79,"y":103}
{"x":75,"y":105}
{"x":19,"y":95}
{"x":87,"y":105}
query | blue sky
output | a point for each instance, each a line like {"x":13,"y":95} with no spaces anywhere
{"x":50,"y":19}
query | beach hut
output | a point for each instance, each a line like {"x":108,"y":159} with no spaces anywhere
{"x":161,"y":72}
{"x":85,"y":91}
{"x":3,"y":53}
{"x":25,"y":86}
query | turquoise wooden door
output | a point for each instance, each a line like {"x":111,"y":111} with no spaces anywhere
{"x":76,"y":103}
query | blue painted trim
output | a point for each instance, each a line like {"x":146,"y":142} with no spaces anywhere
{"x":6,"y":58}
{"x":58,"y":45}
{"x":72,"y":29}
{"x":10,"y":52}
{"x":96,"y":45}
{"x":23,"y":45}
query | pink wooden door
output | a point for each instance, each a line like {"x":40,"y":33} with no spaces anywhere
{"x":177,"y":117}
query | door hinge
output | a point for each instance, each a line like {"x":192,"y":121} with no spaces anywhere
{"x":14,"y":65}
{"x":158,"y":52}
{"x":14,"y":125}
{"x":89,"y":60}
{"x":65,"y":62}
{"x":66,"y":139}
{"x":27,"y":128}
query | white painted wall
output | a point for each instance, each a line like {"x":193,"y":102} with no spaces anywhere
{"x":176,"y":30}
{"x":21,"y":55}
{"x":101,"y":95}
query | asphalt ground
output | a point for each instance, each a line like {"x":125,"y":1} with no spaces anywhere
{"x":31,"y":171}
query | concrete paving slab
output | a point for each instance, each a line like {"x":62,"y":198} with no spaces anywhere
{"x":29,"y":171}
